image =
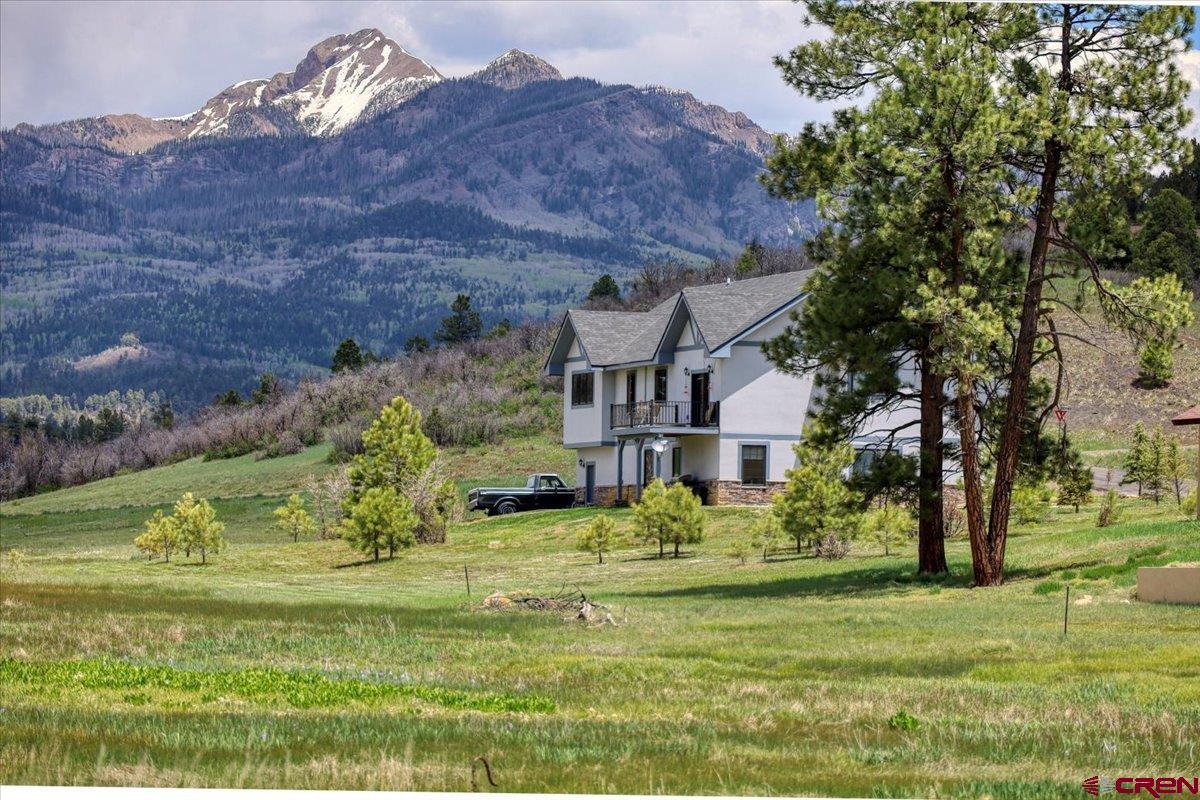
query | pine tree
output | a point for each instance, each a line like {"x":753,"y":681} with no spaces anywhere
{"x":669,"y":515}
{"x":381,"y":519}
{"x":198,"y":527}
{"x":816,"y":501}
{"x":347,"y":357}
{"x":888,"y":526}
{"x":463,"y":324}
{"x":599,"y":536}
{"x":766,"y":532}
{"x":604,"y":288}
{"x":1174,"y":468}
{"x":294,"y":519}
{"x":160,"y":538}
{"x":1154,"y":472}
{"x":1136,"y":458}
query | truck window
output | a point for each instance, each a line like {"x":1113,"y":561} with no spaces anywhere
{"x":532,"y":482}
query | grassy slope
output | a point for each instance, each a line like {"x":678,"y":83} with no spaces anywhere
{"x":763,"y":678}
{"x":507,"y":462}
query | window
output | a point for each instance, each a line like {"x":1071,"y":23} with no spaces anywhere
{"x":631,"y":387}
{"x":754,"y":464}
{"x":660,"y":385}
{"x":676,"y":462}
{"x":581,"y":388}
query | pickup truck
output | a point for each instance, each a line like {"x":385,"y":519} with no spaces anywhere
{"x":539,"y":492}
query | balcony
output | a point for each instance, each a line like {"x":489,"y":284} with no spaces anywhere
{"x":665,"y":414}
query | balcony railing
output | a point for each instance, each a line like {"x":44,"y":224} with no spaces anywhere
{"x":665,"y":414}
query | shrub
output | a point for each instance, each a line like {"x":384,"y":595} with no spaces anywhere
{"x":739,"y":549}
{"x":903,"y":721}
{"x":833,"y":547}
{"x":954,"y":520}
{"x":286,"y":444}
{"x":345,"y":441}
{"x":1110,"y":512}
{"x":1031,"y":503}
{"x":1188,"y":506}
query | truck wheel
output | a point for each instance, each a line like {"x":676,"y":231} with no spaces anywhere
{"x":507,"y":507}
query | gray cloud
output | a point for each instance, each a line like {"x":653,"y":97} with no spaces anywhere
{"x":63,"y":60}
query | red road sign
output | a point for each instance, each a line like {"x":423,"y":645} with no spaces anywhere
{"x":1060,"y":414}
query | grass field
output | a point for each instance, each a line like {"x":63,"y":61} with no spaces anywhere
{"x":299,"y":665}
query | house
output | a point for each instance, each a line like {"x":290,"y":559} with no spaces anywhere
{"x":684,"y":391}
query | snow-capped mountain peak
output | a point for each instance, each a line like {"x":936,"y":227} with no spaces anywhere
{"x":340,"y":80}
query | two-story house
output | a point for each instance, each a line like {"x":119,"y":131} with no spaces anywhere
{"x":684,"y":390}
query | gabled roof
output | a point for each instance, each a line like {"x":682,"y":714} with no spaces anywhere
{"x":721,"y":313}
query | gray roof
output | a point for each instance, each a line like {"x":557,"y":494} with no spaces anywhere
{"x":720,"y":311}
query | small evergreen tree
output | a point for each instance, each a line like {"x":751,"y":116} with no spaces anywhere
{"x":268,"y":391}
{"x":739,"y":548}
{"x":500,"y":329}
{"x":347,"y":357}
{"x":463,"y":324}
{"x":160,"y":538}
{"x":1174,"y":468}
{"x":766,"y":533}
{"x":605,"y":288}
{"x":599,"y":536}
{"x":889,"y":526}
{"x":230,"y":399}
{"x":294,"y":519}
{"x":669,"y":515}
{"x":816,"y":501}
{"x":380,"y":519}
{"x":1136,"y":457}
{"x":198,"y":527}
{"x":163,"y":415}
{"x":1154,"y":470}
{"x":1110,"y":512}
{"x":416,"y":344}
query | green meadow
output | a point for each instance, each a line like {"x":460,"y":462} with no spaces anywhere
{"x":301,"y":665}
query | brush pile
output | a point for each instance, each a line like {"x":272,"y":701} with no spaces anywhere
{"x":574,"y":604}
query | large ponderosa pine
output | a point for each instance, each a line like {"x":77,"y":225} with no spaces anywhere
{"x":982,"y":118}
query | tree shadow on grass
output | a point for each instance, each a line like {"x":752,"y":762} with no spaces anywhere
{"x":862,"y":582}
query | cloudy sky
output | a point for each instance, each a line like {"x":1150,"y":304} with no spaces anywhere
{"x":66,"y":59}
{"x":62,"y":60}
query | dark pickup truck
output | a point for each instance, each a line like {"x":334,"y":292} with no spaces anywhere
{"x":540,"y":491}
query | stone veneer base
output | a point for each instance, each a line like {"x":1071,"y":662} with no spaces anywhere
{"x":720,"y":493}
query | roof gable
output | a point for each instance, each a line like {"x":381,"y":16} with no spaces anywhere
{"x":719,"y":313}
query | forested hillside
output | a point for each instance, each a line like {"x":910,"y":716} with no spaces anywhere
{"x":233,"y":255}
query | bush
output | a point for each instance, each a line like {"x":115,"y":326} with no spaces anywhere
{"x":1189,"y":504}
{"x":903,"y":721}
{"x":287,"y":444}
{"x":954,"y":520}
{"x":1110,"y":512}
{"x":1030,"y":504}
{"x":833,"y":547}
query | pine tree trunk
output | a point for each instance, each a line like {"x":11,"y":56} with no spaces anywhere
{"x":676,"y":550}
{"x":376,"y":553}
{"x":931,"y":545}
{"x":661,"y":552}
{"x":601,"y":554}
{"x":203,"y":555}
{"x":987,"y":561}
{"x":1022,"y":366}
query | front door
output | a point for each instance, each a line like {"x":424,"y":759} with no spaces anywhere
{"x":589,"y":484}
{"x":699,"y":398}
{"x":647,"y":467}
